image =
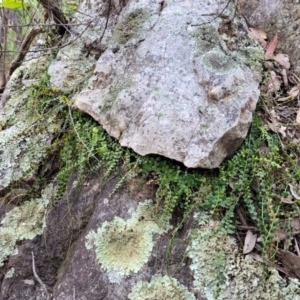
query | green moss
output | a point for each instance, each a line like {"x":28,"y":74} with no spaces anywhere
{"x":160,"y":288}
{"x":130,"y":26}
{"x":124,"y":246}
{"x":218,"y":62}
{"x":222,"y":272}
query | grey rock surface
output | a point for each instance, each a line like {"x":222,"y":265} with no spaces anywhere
{"x":160,"y":85}
{"x":277,"y":16}
{"x":24,"y":136}
{"x":82,"y":274}
{"x":166,"y":85}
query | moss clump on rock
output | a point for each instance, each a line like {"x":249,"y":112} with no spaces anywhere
{"x":160,"y":288}
{"x":130,"y":26}
{"x":218,"y":62}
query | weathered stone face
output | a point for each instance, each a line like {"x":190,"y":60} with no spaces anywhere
{"x":167,"y":86}
{"x":277,"y":16}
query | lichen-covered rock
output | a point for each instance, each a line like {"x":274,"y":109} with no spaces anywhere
{"x":74,"y":63}
{"x":113,"y":272}
{"x":222,"y":272}
{"x":168,"y":86}
{"x":24,"y":135}
{"x":23,"y":148}
{"x":160,"y":288}
{"x":277,"y":16}
{"x":125,"y":246}
{"x":23,"y":222}
{"x":71,"y":67}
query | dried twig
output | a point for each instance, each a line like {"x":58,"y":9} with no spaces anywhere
{"x":242,"y":219}
{"x":217,"y":15}
{"x":297,"y":247}
{"x":24,"y":48}
{"x":38,"y":278}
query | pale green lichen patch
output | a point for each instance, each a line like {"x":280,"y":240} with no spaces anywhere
{"x":8,"y":241}
{"x":160,"y":288}
{"x":23,"y":222}
{"x":22,"y":148}
{"x":252,"y":56}
{"x":146,"y":214}
{"x":130,"y":26}
{"x":221,"y":272}
{"x":25,"y":136}
{"x":116,"y":88}
{"x":218,"y":62}
{"x":10,"y":273}
{"x":222,"y":47}
{"x":125,"y":246}
{"x":205,"y":38}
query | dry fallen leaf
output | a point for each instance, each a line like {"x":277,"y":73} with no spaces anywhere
{"x":282,"y":130}
{"x":250,"y":241}
{"x":272,"y":46}
{"x":273,"y":84}
{"x":298,"y":116}
{"x":233,"y":182}
{"x":287,"y":201}
{"x":290,"y":261}
{"x":284,"y":77}
{"x":273,"y":125}
{"x":293,"y":192}
{"x":283,"y":60}
{"x":285,"y":227}
{"x":259,"y":35}
{"x":294,"y":92}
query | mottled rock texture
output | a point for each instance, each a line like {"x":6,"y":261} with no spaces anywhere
{"x":173,"y":82}
{"x":277,"y":16}
{"x":161,"y":85}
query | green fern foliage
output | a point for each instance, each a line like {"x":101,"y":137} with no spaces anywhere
{"x":254,"y":180}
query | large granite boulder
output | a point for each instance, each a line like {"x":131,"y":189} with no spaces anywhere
{"x":175,"y":79}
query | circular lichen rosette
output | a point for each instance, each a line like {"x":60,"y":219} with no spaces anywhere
{"x":218,"y":62}
{"x":160,"y":288}
{"x":123,"y":246}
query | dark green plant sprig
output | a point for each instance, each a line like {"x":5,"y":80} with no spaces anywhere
{"x":254,"y":179}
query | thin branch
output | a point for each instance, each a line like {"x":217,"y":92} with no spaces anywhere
{"x":216,"y":17}
{"x":297,"y":247}
{"x":3,"y":52}
{"x":58,"y":16}
{"x":45,"y":25}
{"x":24,"y":49}
{"x":38,"y":278}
